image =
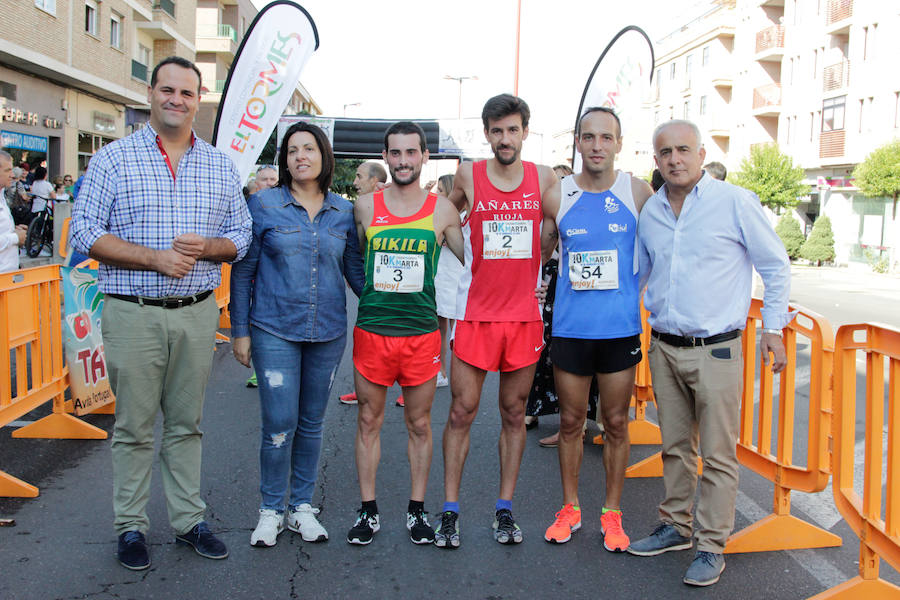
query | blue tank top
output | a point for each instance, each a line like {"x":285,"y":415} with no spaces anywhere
{"x":597,"y":294}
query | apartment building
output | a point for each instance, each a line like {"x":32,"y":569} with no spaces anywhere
{"x":74,"y":73}
{"x":816,"y":76}
{"x":221,"y":25}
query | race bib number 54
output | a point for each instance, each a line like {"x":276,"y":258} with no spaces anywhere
{"x":507,"y":239}
{"x":594,"y":270}
{"x":399,"y":273}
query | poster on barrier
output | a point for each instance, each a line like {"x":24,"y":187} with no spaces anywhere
{"x":88,"y":376}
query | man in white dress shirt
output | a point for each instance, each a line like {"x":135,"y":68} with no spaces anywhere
{"x":699,"y":241}
{"x":11,"y":236}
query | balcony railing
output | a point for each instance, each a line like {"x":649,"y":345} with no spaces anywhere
{"x":769,"y":38}
{"x":138,"y":70}
{"x":831,"y":144}
{"x":836,"y":76}
{"x":167,"y":6}
{"x":838,"y":10}
{"x":220,"y":86}
{"x":217,"y":31}
{"x":767,"y":95}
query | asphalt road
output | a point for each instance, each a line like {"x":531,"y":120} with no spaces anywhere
{"x":63,"y":545}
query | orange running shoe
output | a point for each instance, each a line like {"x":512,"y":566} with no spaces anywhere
{"x":568,"y":519}
{"x":614,"y":538}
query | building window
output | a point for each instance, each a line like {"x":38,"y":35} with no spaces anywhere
{"x":833,"y":113}
{"x":702,"y":105}
{"x":243,"y":27}
{"x":91,"y":10}
{"x":144,"y":55}
{"x":115,"y":30}
{"x":788,"y":132}
{"x":687,"y":109}
{"x":46,"y":5}
{"x":688,"y":63}
{"x":656,"y":116}
{"x":7,"y":90}
{"x":705,"y":59}
{"x":812,"y":125}
{"x":672,"y":70}
{"x":791,"y":71}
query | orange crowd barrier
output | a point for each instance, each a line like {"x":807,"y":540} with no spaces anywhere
{"x":879,"y":535}
{"x":223,"y":297}
{"x":781,"y":530}
{"x":31,"y":328}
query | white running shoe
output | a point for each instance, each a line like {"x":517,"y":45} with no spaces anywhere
{"x":271,"y":523}
{"x":303,"y":521}
{"x":442,"y":380}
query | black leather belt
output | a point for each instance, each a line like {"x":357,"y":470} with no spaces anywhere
{"x":684,"y":341}
{"x":164,"y":302}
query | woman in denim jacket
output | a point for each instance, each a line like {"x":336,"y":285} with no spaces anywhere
{"x":288,"y":305}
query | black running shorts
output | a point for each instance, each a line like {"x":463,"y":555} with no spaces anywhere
{"x":586,"y":357}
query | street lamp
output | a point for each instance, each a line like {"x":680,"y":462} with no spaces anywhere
{"x":351,"y":104}
{"x":460,"y":80}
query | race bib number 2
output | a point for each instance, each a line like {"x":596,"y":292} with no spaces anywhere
{"x":507,"y":239}
{"x":399,"y":273}
{"x":594,"y":270}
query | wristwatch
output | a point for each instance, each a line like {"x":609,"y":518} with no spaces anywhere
{"x":772,"y":331}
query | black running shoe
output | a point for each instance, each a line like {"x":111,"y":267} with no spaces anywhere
{"x":447,"y":535}
{"x":420,"y":531}
{"x":505,"y":529}
{"x":365,"y":527}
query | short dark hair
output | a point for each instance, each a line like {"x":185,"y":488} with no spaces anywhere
{"x":181,"y":62}
{"x":656,"y":180}
{"x":502,"y":106}
{"x":377,"y":171}
{"x":40,"y":173}
{"x":324,"y":178}
{"x":405,"y":128}
{"x":593,"y":109}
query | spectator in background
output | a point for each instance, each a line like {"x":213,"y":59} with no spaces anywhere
{"x":11,"y":235}
{"x":42,"y":190}
{"x":446,"y":283}
{"x":17,"y":198}
{"x":266,"y":177}
{"x":368,"y":175}
{"x":60,"y":190}
{"x":70,"y":185}
{"x":77,"y":185}
{"x":716,"y":170}
{"x":656,"y":180}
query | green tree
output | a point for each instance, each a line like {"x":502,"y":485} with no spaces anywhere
{"x":344,"y":174}
{"x":788,"y":229}
{"x":772,"y":176}
{"x":879,"y":175}
{"x":819,"y":246}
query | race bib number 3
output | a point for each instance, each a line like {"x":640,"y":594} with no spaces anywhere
{"x":399,"y":273}
{"x":507,"y":239}
{"x":594,"y":270}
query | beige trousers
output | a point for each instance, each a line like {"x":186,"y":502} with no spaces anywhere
{"x":159,"y":361}
{"x":698,"y":397}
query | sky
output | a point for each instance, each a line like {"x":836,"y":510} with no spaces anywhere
{"x":389,"y":59}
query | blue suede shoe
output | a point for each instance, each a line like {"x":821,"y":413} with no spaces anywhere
{"x":664,"y":538}
{"x":705,"y":569}
{"x":201,"y":539}
{"x":132,"y":552}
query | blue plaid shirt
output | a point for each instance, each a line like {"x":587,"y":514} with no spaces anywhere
{"x":129,"y":192}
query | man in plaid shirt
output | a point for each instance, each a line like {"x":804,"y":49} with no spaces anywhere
{"x":160,"y":210}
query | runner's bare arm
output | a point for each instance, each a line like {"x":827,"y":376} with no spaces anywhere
{"x":362,"y":213}
{"x":550,"y":190}
{"x":447,"y":219}
{"x":641,"y":192}
{"x":462,"y":192}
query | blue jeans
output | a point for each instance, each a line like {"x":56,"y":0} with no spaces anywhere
{"x":294,"y":385}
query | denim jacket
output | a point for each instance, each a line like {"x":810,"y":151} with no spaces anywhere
{"x":291,"y":282}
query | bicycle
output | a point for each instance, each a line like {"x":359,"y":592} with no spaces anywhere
{"x":40,"y":230}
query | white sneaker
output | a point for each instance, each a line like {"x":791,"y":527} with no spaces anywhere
{"x":271,"y":523}
{"x":303,"y":520}
{"x":442,"y":380}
